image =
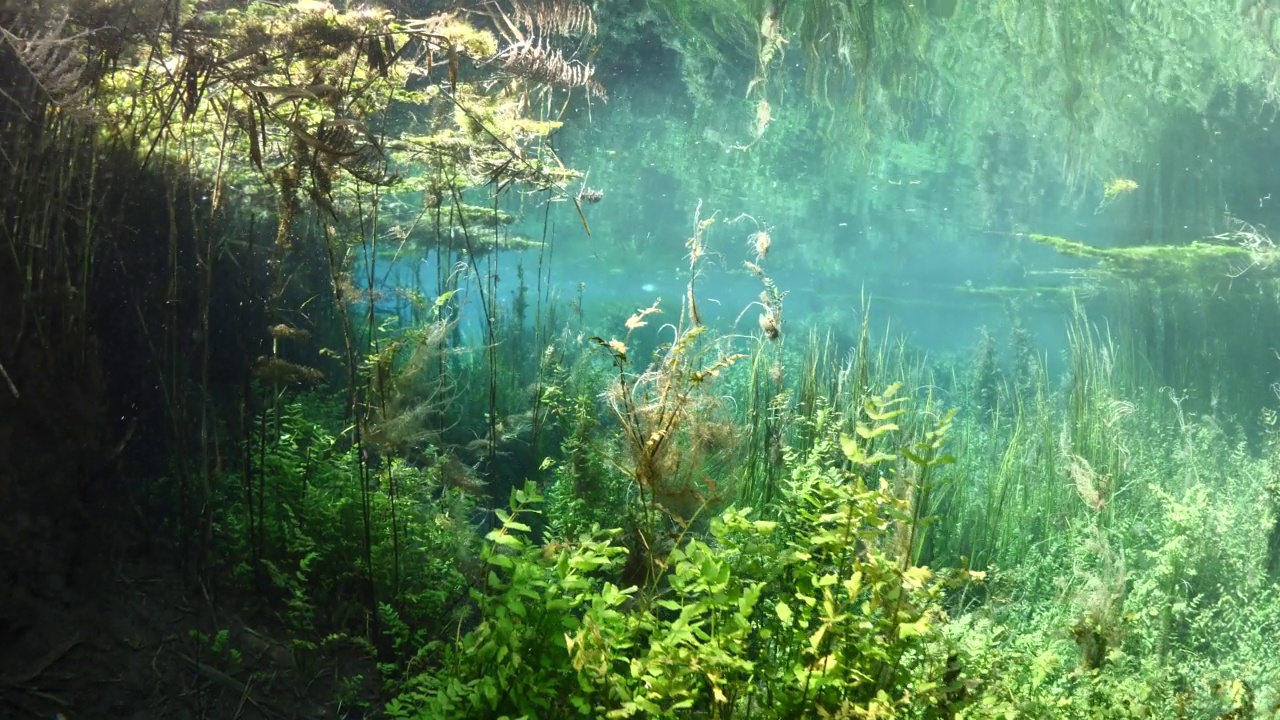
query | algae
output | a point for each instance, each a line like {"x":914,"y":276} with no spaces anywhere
{"x":1197,"y":261}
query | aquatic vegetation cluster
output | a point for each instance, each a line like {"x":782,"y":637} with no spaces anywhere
{"x":895,"y":116}
{"x":883,"y":68}
{"x":458,"y":496}
{"x":1242,"y":253}
{"x":1113,"y":555}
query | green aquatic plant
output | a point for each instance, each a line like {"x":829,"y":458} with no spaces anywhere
{"x":1272,"y":487}
{"x":815,"y":611}
{"x":357,"y":64}
{"x":475,"y":243}
{"x":412,"y":399}
{"x":297,"y":108}
{"x":292,"y":525}
{"x":1199,"y":262}
{"x":766,"y":418}
{"x":815,"y":604}
{"x":664,"y":409}
{"x":986,"y":379}
{"x":1041,"y":457}
{"x":1026,"y":367}
{"x":1054,"y":296}
{"x":586,"y":489}
{"x":1106,"y":477}
{"x":513,"y":660}
{"x":875,"y":69}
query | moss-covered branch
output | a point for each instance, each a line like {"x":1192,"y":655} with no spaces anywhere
{"x":1196,"y":262}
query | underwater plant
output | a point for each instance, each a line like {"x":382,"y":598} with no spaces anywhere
{"x":813,"y":611}
{"x":1113,"y":189}
{"x":666,"y":410}
{"x":1241,"y":253}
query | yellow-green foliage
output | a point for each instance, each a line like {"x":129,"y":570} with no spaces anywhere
{"x":813,"y":610}
{"x":271,"y":71}
{"x":293,"y":100}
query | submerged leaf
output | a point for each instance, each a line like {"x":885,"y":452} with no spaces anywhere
{"x":868,"y":433}
{"x":783,"y":612}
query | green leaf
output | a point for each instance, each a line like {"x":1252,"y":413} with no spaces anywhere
{"x":443,"y":299}
{"x":879,"y":458}
{"x":784,"y":612}
{"x":502,"y":561}
{"x":851,"y":449}
{"x":505,"y":540}
{"x":853,"y":585}
{"x":748,"y":600}
{"x":871,"y":433}
{"x":914,"y":458}
{"x":914,"y":629}
{"x":516,"y":607}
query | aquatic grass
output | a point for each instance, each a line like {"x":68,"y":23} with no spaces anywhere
{"x":1154,"y":607}
{"x":986,"y":504}
{"x":764,"y":419}
{"x":1160,"y":519}
{"x":84,"y":261}
{"x":1039,"y":460}
{"x":1202,"y":341}
{"x":795,"y":380}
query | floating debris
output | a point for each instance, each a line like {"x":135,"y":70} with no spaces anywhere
{"x":286,"y":332}
{"x":472,"y":216}
{"x":1113,"y":189}
{"x":273,"y":370}
{"x":760,"y":242}
{"x":477,"y":241}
